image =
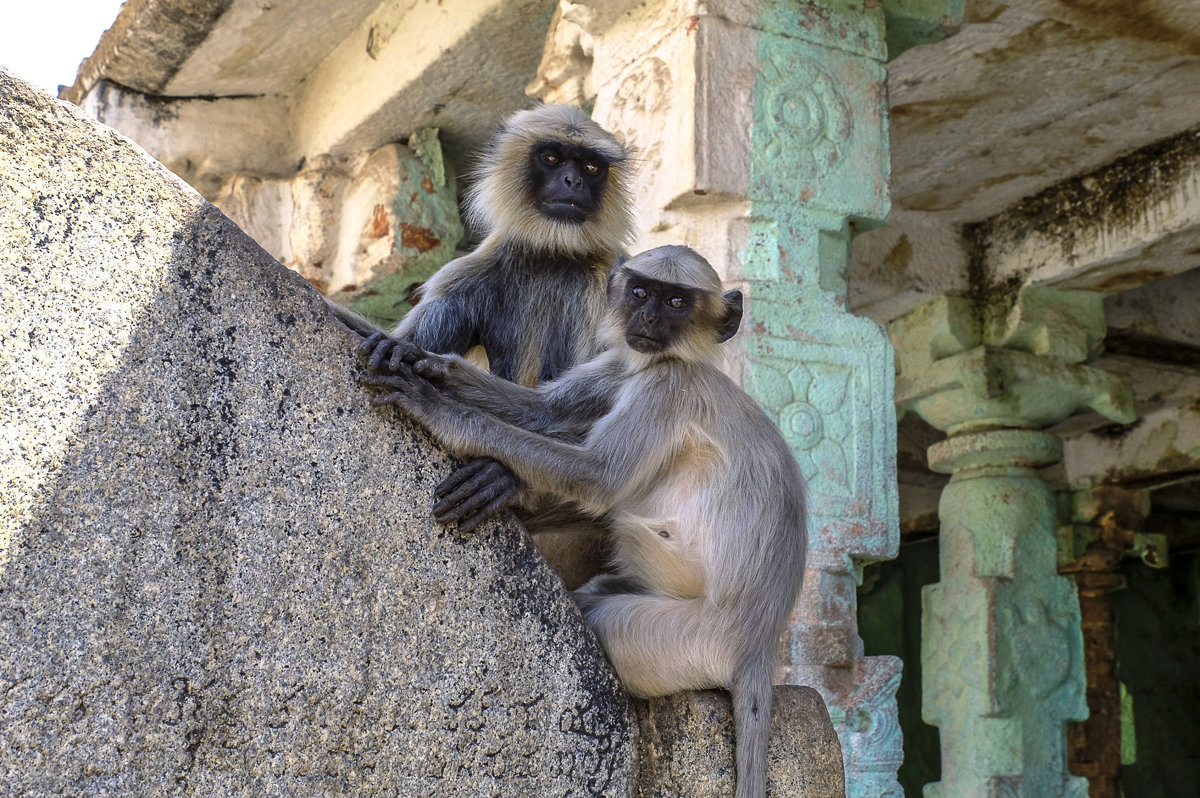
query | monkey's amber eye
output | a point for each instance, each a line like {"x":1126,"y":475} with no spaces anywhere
{"x":638,"y":292}
{"x":552,"y":159}
{"x":676,"y":302}
{"x":591,"y":168}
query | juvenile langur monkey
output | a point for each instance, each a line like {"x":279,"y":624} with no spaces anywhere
{"x":552,"y":194}
{"x":703,"y":497}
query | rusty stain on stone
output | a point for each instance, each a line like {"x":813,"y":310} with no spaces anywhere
{"x":419,"y":238}
{"x":379,"y":222}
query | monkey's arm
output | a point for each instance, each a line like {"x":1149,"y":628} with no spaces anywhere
{"x":442,"y":324}
{"x":564,"y":408}
{"x":620,"y":453}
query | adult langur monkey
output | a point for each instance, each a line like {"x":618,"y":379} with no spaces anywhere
{"x":703,"y":497}
{"x":552,"y":193}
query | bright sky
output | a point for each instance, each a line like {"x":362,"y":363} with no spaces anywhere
{"x":43,"y":41}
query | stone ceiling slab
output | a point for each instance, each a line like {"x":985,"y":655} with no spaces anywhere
{"x":266,"y":47}
{"x":1010,"y":106}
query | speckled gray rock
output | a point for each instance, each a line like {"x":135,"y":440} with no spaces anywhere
{"x":218,"y":575}
{"x":217,"y":571}
{"x":686,"y":747}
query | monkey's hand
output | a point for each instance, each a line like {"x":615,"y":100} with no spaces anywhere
{"x":406,"y":388}
{"x":385,"y":352}
{"x":438,"y":369}
{"x":471,"y":494}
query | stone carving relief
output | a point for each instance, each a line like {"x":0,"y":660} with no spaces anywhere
{"x":807,"y":122}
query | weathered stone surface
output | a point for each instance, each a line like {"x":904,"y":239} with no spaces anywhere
{"x":686,"y":746}
{"x":217,"y":571}
{"x":307,"y":78}
{"x":365,"y":229}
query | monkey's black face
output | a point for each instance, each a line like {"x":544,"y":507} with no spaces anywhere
{"x":567,"y":181}
{"x":657,"y":313}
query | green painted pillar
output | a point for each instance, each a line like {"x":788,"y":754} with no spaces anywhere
{"x":761,"y":134}
{"x":1002,"y":649}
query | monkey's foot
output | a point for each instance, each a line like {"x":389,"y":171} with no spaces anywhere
{"x":471,"y":494}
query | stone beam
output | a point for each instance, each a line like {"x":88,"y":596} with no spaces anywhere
{"x":1113,"y":229}
{"x":146,"y":45}
{"x":217,"y":48}
{"x":1161,"y":447}
{"x":1166,"y":309}
{"x":260,"y":47}
{"x":904,"y":264}
{"x":356,"y":75}
{"x":412,"y":65}
{"x":203,"y":140}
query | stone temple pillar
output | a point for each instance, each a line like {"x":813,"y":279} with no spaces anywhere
{"x":761,"y":133}
{"x":1001,"y":646}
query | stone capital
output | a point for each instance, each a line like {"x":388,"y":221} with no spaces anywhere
{"x":991,"y":387}
{"x":963,"y":368}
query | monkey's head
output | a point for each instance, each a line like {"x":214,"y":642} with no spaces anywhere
{"x":553,"y":180}
{"x":668,"y":302}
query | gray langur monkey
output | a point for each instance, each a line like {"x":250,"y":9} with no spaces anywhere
{"x":551,"y":191}
{"x":702,"y":496}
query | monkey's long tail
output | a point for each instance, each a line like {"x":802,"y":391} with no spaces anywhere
{"x":752,"y":694}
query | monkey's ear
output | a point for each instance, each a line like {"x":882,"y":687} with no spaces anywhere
{"x":612,"y":275}
{"x":733,"y":316}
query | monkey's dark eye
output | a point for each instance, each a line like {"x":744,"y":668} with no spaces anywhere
{"x":591,"y":168}
{"x":639,"y":292}
{"x":676,"y":302}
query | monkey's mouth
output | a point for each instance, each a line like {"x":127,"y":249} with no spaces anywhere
{"x":643,"y":343}
{"x":565,"y":211}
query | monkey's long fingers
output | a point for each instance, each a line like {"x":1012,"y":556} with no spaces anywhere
{"x":405,"y":352}
{"x":477,"y":509}
{"x":464,"y":499}
{"x":490,"y":509}
{"x":383,"y":348}
{"x":462,"y":476}
{"x":399,"y":381}
{"x":373,"y":339}
{"x":396,"y":398}
{"x":474,"y":500}
{"x":397,"y":388}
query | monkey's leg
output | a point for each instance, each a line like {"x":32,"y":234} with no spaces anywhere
{"x":659,"y":645}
